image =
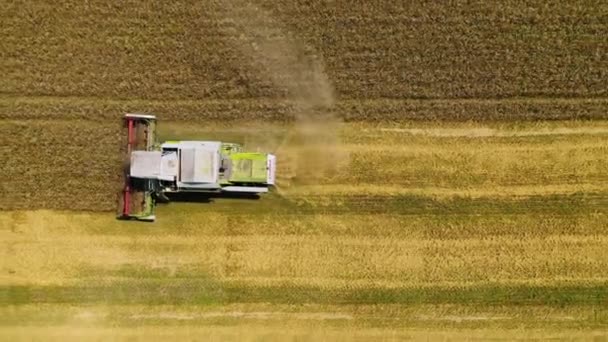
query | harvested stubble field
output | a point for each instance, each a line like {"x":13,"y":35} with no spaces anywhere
{"x":430,"y":231}
{"x":465,"y":195}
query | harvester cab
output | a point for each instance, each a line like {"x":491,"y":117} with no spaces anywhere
{"x":155,"y":169}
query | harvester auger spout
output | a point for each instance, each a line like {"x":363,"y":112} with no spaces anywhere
{"x":156,"y":169}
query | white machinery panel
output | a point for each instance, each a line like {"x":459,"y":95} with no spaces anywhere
{"x":206,"y":165}
{"x":169,"y":166}
{"x":249,"y":189}
{"x":187,"y":165}
{"x":271,"y":167}
{"x":200,"y":164}
{"x":145,"y":164}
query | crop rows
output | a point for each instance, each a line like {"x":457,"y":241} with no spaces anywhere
{"x":192,"y":262}
{"x":60,"y":165}
{"x":269,"y":110}
{"x":489,"y":210}
{"x":203,"y":50}
{"x":72,"y":164}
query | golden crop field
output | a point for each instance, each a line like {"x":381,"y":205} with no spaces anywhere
{"x":442,"y":170}
{"x":461,"y":231}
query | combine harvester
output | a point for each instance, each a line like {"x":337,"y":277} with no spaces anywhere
{"x":157,"y":169}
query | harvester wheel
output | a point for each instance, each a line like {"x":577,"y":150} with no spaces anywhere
{"x":161,"y":197}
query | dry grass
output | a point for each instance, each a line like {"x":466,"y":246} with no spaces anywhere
{"x":511,"y":218}
{"x":60,"y":164}
{"x":245,"y":322}
{"x":474,"y":231}
{"x":386,"y":61}
{"x":185,"y":49}
{"x":307,"y":333}
{"x":73,"y":164}
{"x":238,"y":111}
{"x":324,"y":251}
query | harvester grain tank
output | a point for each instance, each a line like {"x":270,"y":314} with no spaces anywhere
{"x":154,"y":170}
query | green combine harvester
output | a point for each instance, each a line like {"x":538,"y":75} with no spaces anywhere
{"x":155,"y":170}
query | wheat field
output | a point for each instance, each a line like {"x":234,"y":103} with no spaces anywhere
{"x":442,"y":170}
{"x":453,"y":230}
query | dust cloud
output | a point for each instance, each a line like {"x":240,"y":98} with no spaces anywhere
{"x":310,"y":150}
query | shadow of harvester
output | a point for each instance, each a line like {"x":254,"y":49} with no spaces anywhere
{"x":197,"y":197}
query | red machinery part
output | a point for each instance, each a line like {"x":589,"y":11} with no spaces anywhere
{"x":126,"y":210}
